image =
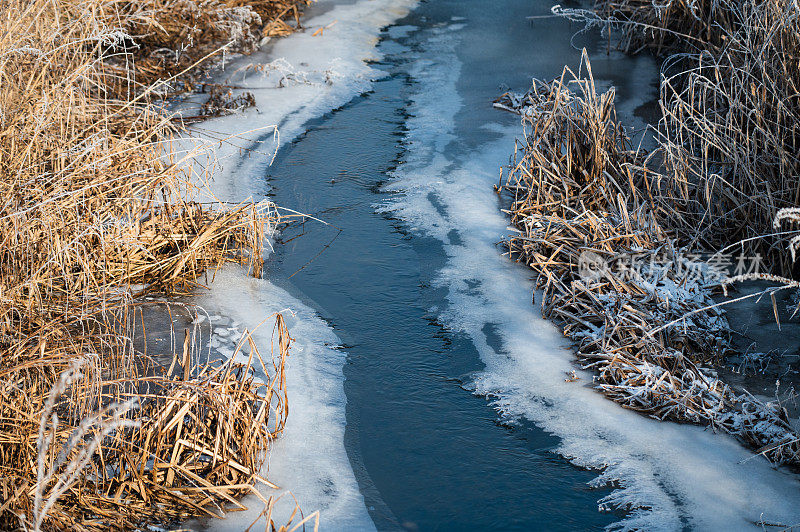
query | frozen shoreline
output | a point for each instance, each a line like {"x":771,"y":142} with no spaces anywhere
{"x":306,"y":77}
{"x":671,"y":476}
{"x":308,"y":461}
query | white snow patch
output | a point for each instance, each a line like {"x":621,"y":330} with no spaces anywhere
{"x":672,"y":476}
{"x":308,"y":459}
{"x":302,"y":78}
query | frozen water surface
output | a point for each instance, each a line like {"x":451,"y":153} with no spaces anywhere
{"x":304,"y":77}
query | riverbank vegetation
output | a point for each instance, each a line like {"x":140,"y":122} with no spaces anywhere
{"x":631,"y":245}
{"x":97,"y":212}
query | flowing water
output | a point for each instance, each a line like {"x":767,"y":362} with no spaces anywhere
{"x":426,"y":451}
{"x":426,"y":391}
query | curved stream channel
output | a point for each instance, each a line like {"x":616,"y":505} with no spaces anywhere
{"x":445,"y":406}
{"x":428,"y":452}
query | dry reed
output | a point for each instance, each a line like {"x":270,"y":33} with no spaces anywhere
{"x":163,"y":45}
{"x":191,"y":440}
{"x":670,"y":24}
{"x":636,"y":304}
{"x":724,"y":175}
{"x":96,"y":210}
{"x":730,"y":131}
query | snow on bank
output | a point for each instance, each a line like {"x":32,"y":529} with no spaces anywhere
{"x":299,"y":78}
{"x":308,"y":459}
{"x":672,"y":476}
{"x":304,"y":77}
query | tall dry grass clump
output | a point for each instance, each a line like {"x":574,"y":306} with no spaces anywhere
{"x":97,"y":209}
{"x":667,"y":25}
{"x":170,"y":38}
{"x":730,"y":132}
{"x":636,"y":304}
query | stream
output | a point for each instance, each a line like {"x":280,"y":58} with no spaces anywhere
{"x":426,"y":391}
{"x":427,"y":452}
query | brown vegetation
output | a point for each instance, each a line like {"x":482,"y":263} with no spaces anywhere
{"x":671,"y":24}
{"x":730,"y":132}
{"x":96,"y":210}
{"x":724,"y":175}
{"x":636,"y":305}
{"x":162,"y":45}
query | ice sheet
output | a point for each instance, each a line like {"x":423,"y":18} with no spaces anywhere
{"x":308,"y":459}
{"x":296,"y":79}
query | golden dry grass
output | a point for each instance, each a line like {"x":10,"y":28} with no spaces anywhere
{"x":671,"y":24}
{"x":171,"y":36}
{"x":730,"y":131}
{"x":725,"y":175}
{"x":642,"y":318}
{"x":96,"y":210}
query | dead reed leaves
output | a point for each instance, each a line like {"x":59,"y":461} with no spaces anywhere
{"x":638,"y":308}
{"x":669,"y":25}
{"x":725,"y":174}
{"x":169,"y":444}
{"x":163,"y":45}
{"x":97,"y":208}
{"x":730,"y":130}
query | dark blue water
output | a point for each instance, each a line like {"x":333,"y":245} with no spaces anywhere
{"x":428,"y":454}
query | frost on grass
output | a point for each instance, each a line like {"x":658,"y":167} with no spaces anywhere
{"x":650,"y":332}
